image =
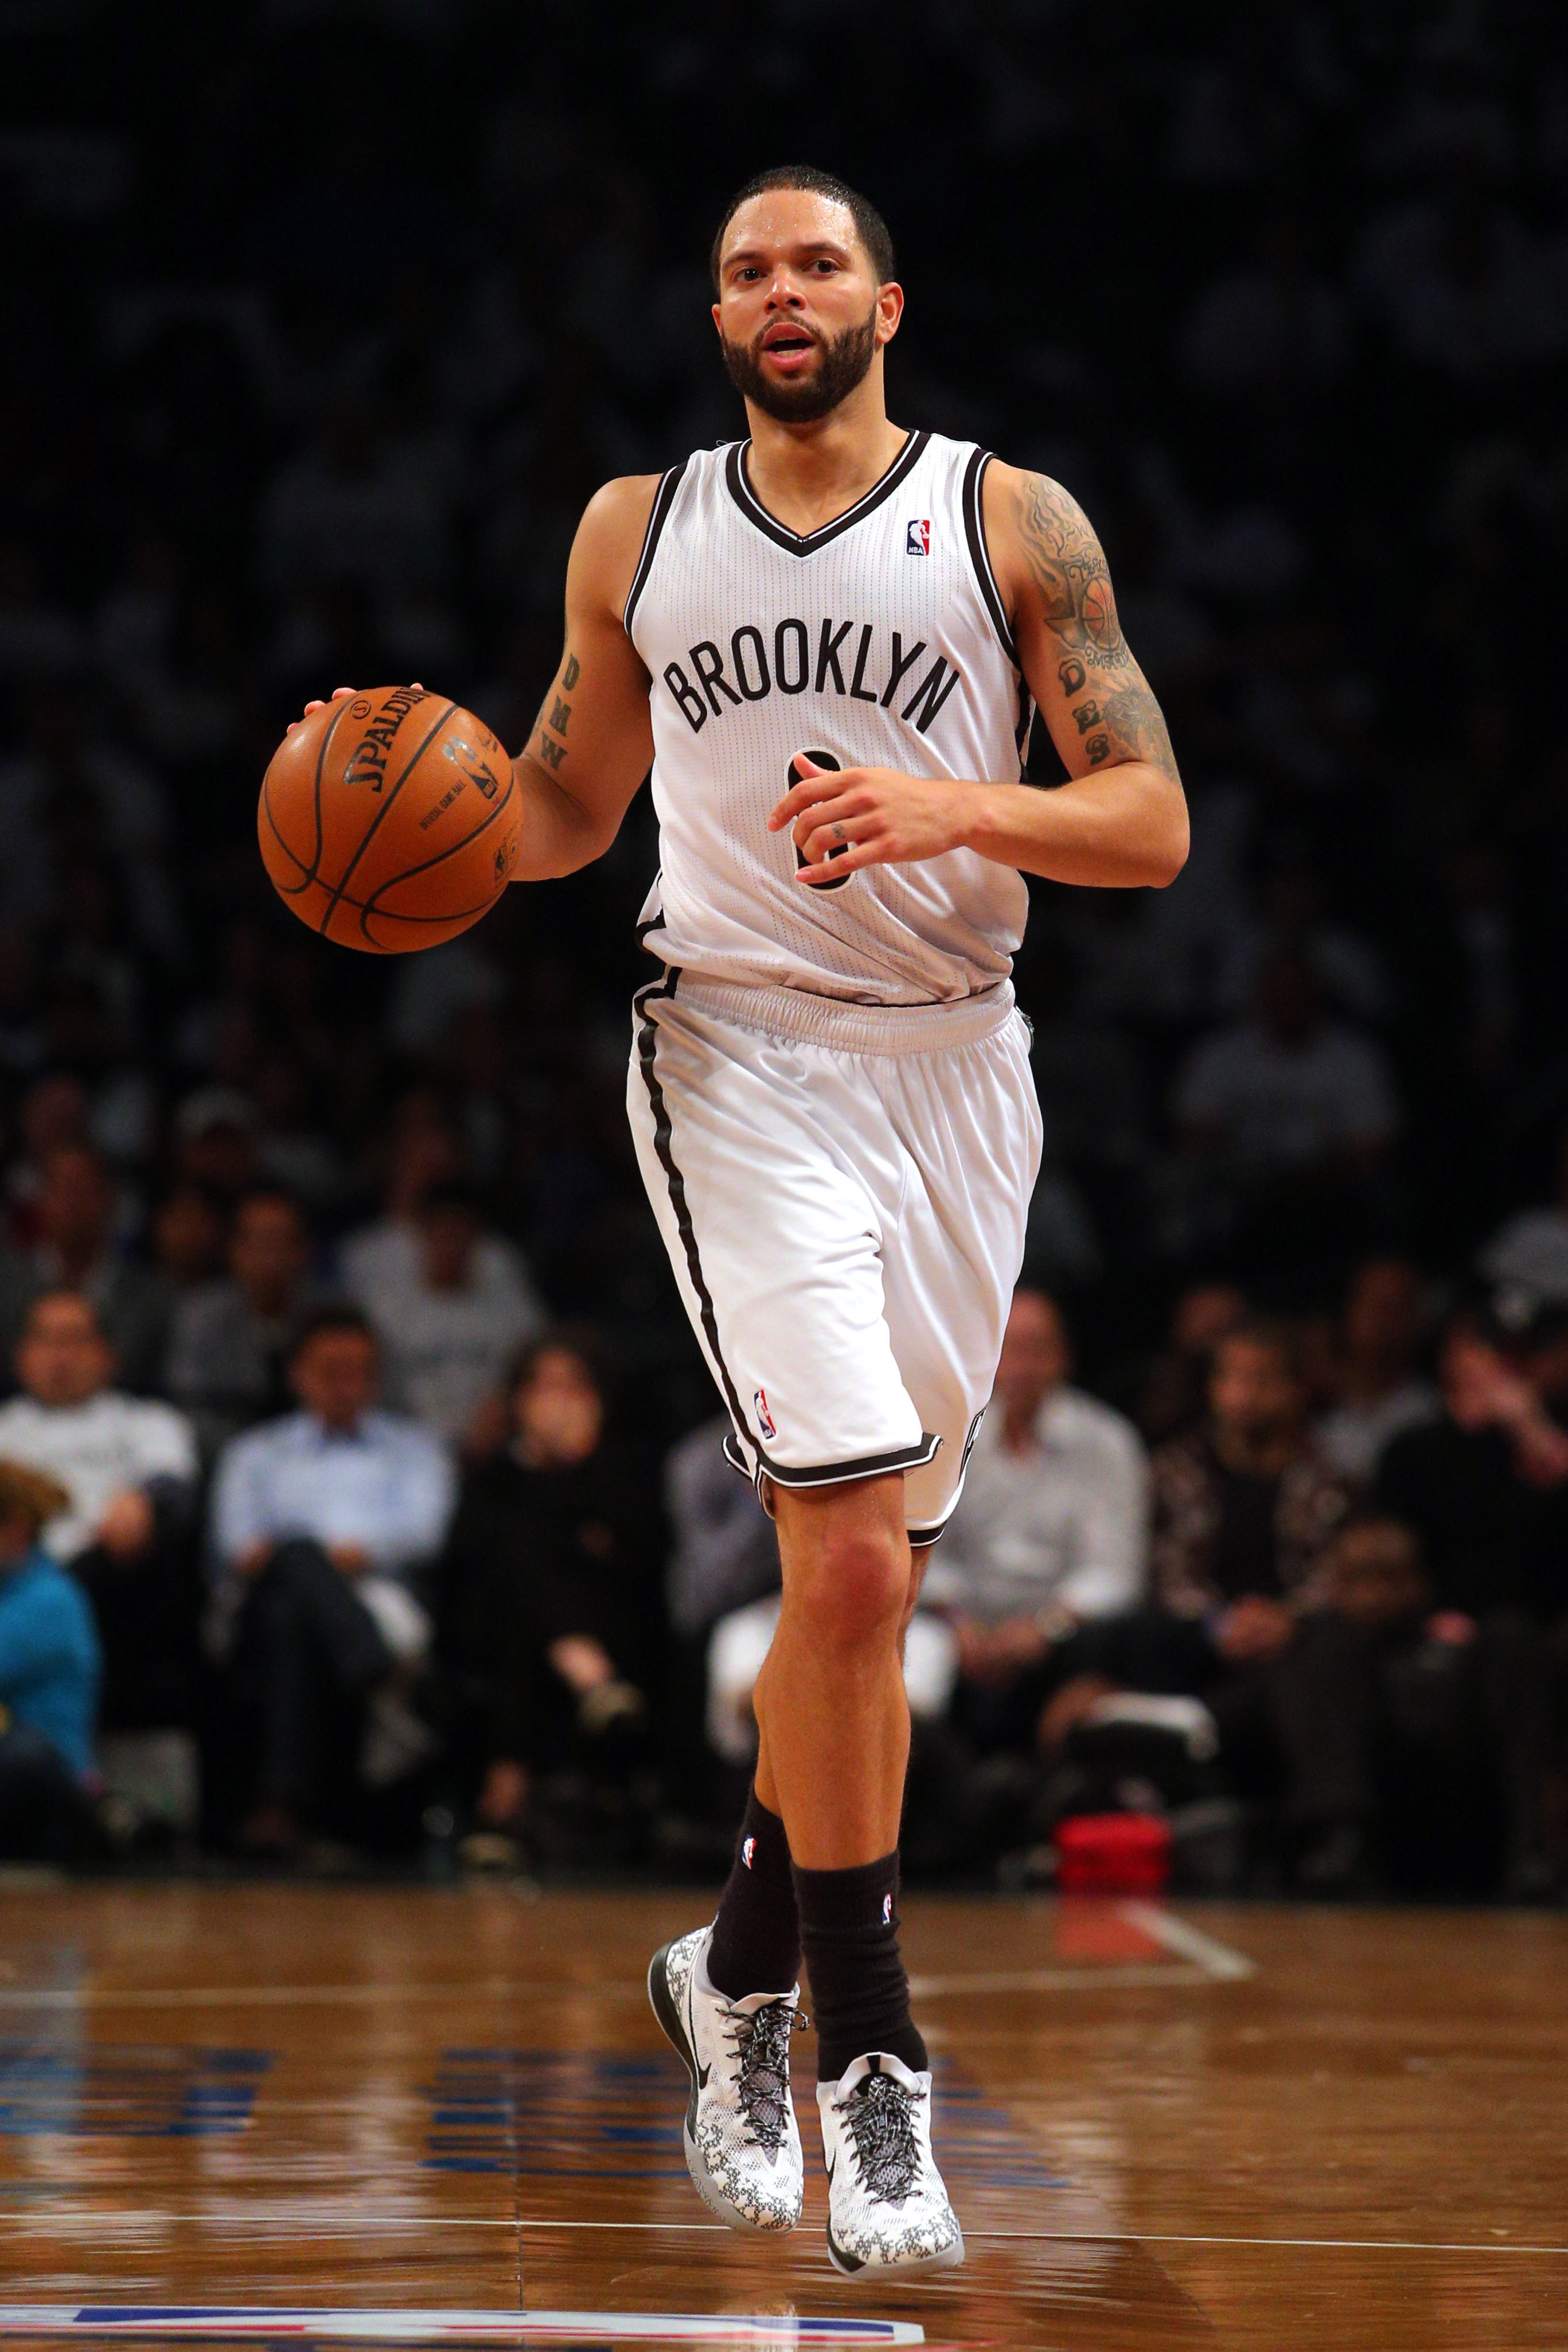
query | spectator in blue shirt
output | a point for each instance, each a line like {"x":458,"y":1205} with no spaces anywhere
{"x":323,"y":1523}
{"x":49,"y":1673}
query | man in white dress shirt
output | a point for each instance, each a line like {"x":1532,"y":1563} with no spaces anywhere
{"x":322,"y":1522}
{"x":1050,"y":1534}
{"x":129,"y":1464}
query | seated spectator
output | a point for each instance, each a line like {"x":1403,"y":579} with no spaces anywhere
{"x":723,"y":1559}
{"x":1379,"y":1389}
{"x":1485,"y":1486}
{"x":725,"y":1550}
{"x":323,"y":1524}
{"x":450,"y":1317}
{"x":1529,"y":1255}
{"x":49,"y":1668}
{"x":1173,"y":1395}
{"x":421,"y":1151}
{"x":75,"y":1251}
{"x":228,"y":1356}
{"x":187,"y":1240}
{"x":216,"y":1143}
{"x":1287,"y":1120}
{"x":1446,"y":1724}
{"x":552,"y":1583}
{"x":127,"y":1465}
{"x":1050,"y":1531}
{"x":1288,"y":1090}
{"x":1244,"y":1510}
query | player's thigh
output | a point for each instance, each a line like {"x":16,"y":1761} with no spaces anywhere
{"x":776,"y":1241}
{"x":972,"y":1126}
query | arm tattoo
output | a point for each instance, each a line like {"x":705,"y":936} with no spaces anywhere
{"x":1069,"y":567}
{"x":553,"y":751}
{"x":1105,"y":690}
{"x":1136,"y":725}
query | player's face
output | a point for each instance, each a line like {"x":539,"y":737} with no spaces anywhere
{"x":800,"y":313}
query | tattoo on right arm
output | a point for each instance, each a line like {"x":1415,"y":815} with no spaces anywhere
{"x":552,"y":731}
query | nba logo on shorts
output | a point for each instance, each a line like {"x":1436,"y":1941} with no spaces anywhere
{"x":888,"y":1910}
{"x":748,"y":1851}
{"x":917,"y":538}
{"x":764,"y":1418}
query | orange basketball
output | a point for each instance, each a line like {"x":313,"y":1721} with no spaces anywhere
{"x":390,"y":821}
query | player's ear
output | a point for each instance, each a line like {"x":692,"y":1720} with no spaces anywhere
{"x":889,"y":310}
{"x":718,"y":321}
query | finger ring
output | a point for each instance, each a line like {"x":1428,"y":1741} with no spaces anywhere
{"x":839,"y":834}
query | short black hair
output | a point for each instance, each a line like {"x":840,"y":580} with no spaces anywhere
{"x":870,"y":226}
{"x":582,"y":1342}
{"x":332,"y":1315}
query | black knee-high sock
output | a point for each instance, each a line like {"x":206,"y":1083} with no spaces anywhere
{"x":756,"y":1944}
{"x":860,"y":1993}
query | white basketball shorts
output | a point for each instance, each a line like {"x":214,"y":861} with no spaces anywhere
{"x":842,"y":1191}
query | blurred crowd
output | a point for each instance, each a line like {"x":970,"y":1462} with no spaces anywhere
{"x":358,"y":1473}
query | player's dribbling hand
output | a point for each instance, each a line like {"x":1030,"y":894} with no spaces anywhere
{"x":869,"y":817}
{"x":339,"y":694}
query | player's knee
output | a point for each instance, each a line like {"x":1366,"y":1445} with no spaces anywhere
{"x":860,"y":1590}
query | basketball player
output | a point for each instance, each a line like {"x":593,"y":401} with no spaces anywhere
{"x":826,"y":641}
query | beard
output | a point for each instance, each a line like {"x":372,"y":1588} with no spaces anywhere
{"x":845,"y":362}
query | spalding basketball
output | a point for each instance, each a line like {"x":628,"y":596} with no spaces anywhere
{"x":389,"y":820}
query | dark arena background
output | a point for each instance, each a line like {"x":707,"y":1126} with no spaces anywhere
{"x":1236,"y":1839}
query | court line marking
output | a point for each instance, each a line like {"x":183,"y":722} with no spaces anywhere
{"x":1085,"y":1980}
{"x":1206,"y":1960}
{"x":1177,"y":1935}
{"x":299,"y":2225}
{"x":1346,"y":2245}
{"x":414,"y":2326}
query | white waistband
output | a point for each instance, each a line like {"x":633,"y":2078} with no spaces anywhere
{"x":805,"y":1019}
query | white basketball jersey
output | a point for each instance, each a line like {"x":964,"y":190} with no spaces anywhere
{"x":879,"y":640}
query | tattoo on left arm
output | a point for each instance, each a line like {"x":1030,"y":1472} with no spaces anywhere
{"x":1104,"y":688}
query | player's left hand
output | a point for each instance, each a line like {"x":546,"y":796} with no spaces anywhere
{"x":871,"y":816}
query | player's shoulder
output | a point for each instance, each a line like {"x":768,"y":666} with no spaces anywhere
{"x":1019,"y":495}
{"x":617,"y":514}
{"x":609,"y":542}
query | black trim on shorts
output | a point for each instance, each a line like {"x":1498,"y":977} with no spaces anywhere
{"x":980,"y":554}
{"x":647,"y":1044}
{"x":834,"y":1474}
{"x":752,"y":508}
{"x":654,"y":922}
{"x":663,"y":500}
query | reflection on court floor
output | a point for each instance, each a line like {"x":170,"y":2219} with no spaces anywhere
{"x":406,"y":2116}
{"x":569,"y":2115}
{"x":127,"y":2091}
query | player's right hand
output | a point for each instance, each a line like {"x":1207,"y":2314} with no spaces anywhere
{"x":339,"y":694}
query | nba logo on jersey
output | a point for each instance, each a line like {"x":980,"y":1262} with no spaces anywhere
{"x":764,"y":1418}
{"x":748,"y":1851}
{"x":917,"y":538}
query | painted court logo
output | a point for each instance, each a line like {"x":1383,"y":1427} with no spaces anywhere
{"x":748,"y":1851}
{"x":917,"y":538}
{"x":764,"y":1418}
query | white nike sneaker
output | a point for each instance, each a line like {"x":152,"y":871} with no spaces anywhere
{"x":887,"y":2209}
{"x":742,"y":2142}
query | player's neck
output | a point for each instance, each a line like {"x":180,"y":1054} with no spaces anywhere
{"x":808,"y":475}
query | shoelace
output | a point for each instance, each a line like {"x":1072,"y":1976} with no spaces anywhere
{"x":762,"y":2085}
{"x":881,"y":2116}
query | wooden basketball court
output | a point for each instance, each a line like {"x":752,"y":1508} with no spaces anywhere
{"x":404,"y":2115}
